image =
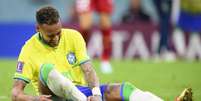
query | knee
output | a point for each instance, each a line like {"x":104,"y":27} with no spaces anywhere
{"x":112,"y":92}
{"x":105,"y":20}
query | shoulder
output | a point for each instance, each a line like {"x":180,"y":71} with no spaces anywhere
{"x":70,"y":31}
{"x":31,"y":40}
{"x":29,"y":44}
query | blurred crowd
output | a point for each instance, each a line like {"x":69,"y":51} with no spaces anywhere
{"x":177,"y":21}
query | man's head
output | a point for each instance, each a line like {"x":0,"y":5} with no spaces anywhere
{"x":135,"y":4}
{"x":49,"y":25}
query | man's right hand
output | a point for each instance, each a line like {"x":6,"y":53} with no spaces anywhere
{"x":43,"y":98}
{"x":94,"y":98}
{"x":18,"y":93}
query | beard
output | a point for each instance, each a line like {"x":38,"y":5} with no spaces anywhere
{"x":53,"y":43}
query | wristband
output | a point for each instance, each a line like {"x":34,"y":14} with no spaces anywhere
{"x":96,"y":91}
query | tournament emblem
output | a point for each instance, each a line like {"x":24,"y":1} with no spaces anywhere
{"x":71,"y":58}
{"x":20,"y":66}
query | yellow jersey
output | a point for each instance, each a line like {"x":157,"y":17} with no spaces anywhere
{"x":191,"y":6}
{"x":67,"y":57}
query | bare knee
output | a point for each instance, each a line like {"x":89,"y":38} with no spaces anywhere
{"x":112,"y":92}
{"x":105,"y":20}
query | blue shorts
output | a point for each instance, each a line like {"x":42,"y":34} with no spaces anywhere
{"x":87,"y":90}
{"x":189,"y":22}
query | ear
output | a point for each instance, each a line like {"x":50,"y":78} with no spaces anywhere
{"x":37,"y":27}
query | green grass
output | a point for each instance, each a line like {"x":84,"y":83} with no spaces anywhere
{"x":166,"y":80}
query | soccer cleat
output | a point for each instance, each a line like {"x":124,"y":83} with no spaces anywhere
{"x":186,"y":95}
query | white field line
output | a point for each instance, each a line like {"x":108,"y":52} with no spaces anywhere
{"x":3,"y":97}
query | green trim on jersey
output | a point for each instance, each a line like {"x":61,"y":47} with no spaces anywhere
{"x":82,"y":62}
{"x":18,"y":76}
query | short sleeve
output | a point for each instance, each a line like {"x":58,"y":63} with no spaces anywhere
{"x":80,"y":49}
{"x":24,"y":70}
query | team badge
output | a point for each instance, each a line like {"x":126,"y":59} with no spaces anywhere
{"x":20,"y":66}
{"x":71,"y":58}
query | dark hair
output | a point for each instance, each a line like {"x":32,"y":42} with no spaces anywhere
{"x":47,"y":15}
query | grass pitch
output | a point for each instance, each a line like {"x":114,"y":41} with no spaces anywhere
{"x":166,"y":80}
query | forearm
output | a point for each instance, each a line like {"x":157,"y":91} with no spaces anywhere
{"x":90,"y":75}
{"x":16,"y":96}
{"x":92,"y":78}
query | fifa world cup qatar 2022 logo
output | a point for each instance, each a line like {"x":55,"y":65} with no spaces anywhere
{"x":20,"y":66}
{"x":71,"y":58}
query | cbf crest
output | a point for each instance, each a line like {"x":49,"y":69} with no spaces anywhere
{"x":71,"y":58}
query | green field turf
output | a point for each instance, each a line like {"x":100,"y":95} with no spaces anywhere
{"x":164,"y":79}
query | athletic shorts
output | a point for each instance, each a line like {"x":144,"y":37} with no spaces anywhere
{"x":190,"y":22}
{"x":87,"y":91}
{"x":100,"y":6}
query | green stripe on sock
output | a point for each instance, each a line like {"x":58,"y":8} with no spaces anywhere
{"x":45,"y":70}
{"x":128,"y":88}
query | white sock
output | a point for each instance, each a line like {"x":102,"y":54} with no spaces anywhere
{"x":63,"y":87}
{"x":138,"y":95}
{"x":179,"y":42}
{"x":194,"y":47}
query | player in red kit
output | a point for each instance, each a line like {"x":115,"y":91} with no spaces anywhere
{"x":85,"y":9}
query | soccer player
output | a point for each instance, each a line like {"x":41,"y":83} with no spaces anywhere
{"x":104,"y":9}
{"x":54,"y":60}
{"x":189,"y":21}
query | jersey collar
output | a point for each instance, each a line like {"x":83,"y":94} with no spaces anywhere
{"x":41,"y":39}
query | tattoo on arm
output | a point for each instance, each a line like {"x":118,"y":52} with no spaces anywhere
{"x":90,"y":75}
{"x":18,"y":92}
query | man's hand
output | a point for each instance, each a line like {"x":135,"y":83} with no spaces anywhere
{"x":43,"y":98}
{"x":18,"y":93}
{"x":94,"y":98}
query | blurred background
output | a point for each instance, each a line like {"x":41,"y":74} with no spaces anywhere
{"x":156,"y":44}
